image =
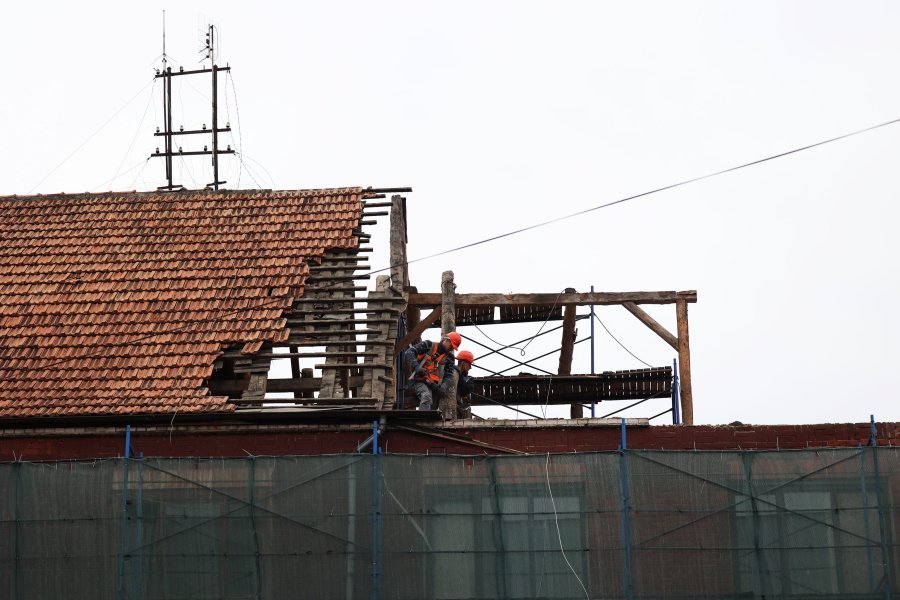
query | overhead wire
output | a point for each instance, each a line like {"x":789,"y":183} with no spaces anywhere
{"x":641,"y":195}
{"x":618,"y":342}
{"x":137,"y":131}
{"x":99,"y":129}
{"x":620,"y":201}
{"x":240,"y":140}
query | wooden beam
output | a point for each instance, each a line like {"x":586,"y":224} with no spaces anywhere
{"x":454,"y":438}
{"x":578,"y":299}
{"x":399,"y":268}
{"x":447,"y":403}
{"x":684,"y":363}
{"x":651,"y":323}
{"x":417,"y":330}
{"x":567,"y":349}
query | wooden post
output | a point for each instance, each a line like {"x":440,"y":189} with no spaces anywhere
{"x":448,"y":324}
{"x":295,"y":368}
{"x":684,"y":363}
{"x":568,"y":349}
{"x":399,"y":269}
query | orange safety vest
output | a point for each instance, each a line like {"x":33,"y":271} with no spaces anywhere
{"x":432,"y":362}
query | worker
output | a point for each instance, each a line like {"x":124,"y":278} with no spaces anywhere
{"x":433,"y":370}
{"x":465,"y":386}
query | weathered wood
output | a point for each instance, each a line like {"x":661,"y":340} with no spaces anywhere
{"x":295,"y":355}
{"x":257,"y":386}
{"x":580,"y":299}
{"x":319,"y":279}
{"x":399,"y":269}
{"x":684,"y":363}
{"x":455,"y":438}
{"x":353,"y":365}
{"x":417,"y":330}
{"x":413,"y":318}
{"x":311,"y":343}
{"x":320,"y":402}
{"x":295,"y":366}
{"x":376,"y":213}
{"x":337,"y":268}
{"x":650,"y":322}
{"x":567,"y":349}
{"x":447,"y":403}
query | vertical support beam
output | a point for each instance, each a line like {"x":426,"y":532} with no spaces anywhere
{"x":448,"y":323}
{"x":684,"y":362}
{"x":593,"y":404}
{"x":296,"y":373}
{"x":568,"y":349}
{"x":399,"y":268}
{"x":624,"y":501}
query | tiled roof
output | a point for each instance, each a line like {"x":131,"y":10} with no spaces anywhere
{"x":120,"y":303}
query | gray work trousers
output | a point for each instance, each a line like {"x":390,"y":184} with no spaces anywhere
{"x":424,"y":394}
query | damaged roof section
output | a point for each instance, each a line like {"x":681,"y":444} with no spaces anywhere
{"x":121,"y":303}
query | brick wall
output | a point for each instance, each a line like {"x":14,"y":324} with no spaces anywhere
{"x":243,"y":440}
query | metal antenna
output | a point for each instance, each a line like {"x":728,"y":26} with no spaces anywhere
{"x":167,"y":75}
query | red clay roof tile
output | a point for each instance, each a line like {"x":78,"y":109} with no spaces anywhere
{"x":120,"y":303}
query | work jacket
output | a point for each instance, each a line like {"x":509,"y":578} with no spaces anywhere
{"x":464,"y":387}
{"x":437,"y":364}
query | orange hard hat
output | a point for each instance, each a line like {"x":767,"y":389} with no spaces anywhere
{"x":466,"y":356}
{"x":455,"y":339}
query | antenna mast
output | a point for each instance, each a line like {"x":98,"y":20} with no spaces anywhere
{"x":166,"y":76}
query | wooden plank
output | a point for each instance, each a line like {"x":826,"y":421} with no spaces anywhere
{"x":684,"y":363}
{"x":361,"y":365}
{"x":567,"y":350}
{"x":293,"y":354}
{"x":650,"y":322}
{"x":341,"y":278}
{"x":455,"y":438}
{"x":447,"y":403}
{"x":293,"y":322}
{"x":308,"y":343}
{"x":578,"y":299}
{"x":417,"y":330}
{"x":399,"y":268}
{"x":347,"y":268}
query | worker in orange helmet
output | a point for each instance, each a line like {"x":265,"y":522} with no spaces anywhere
{"x":465,"y":386}
{"x":433,"y":369}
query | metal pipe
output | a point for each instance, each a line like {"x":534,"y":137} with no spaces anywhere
{"x":379,"y":427}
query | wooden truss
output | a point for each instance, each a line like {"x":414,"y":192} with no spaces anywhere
{"x":351,"y":340}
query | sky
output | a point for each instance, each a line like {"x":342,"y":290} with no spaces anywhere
{"x":506,"y":114}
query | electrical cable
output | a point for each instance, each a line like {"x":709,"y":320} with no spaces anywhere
{"x":555,"y":302}
{"x":641,"y":195}
{"x":90,"y":138}
{"x":137,"y":131}
{"x":129,"y":170}
{"x":261,"y":166}
{"x":505,"y":405}
{"x":558,"y":532}
{"x":620,"y":343}
{"x":237,"y":109}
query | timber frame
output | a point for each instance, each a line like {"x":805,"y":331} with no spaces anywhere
{"x":544,"y":304}
{"x":357,"y":340}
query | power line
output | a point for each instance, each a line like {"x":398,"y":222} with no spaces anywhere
{"x":618,"y":342}
{"x":641,"y":195}
{"x":90,"y":138}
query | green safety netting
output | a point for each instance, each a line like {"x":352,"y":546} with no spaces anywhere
{"x":631,"y":524}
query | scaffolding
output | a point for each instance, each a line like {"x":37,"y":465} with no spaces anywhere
{"x":627,"y":524}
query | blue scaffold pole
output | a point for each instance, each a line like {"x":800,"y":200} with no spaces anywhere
{"x":121,"y":588}
{"x":626,"y":517}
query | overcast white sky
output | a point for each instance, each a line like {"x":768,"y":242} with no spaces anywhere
{"x":502,"y":115}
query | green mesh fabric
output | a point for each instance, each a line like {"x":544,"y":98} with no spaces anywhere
{"x":633,"y":524}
